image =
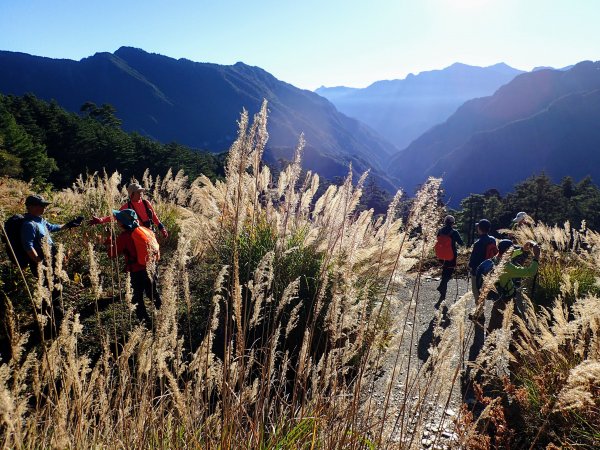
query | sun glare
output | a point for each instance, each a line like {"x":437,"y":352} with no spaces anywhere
{"x":467,"y":4}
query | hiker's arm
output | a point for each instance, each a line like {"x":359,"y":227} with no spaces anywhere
{"x":458,"y":239}
{"x":101,"y":220}
{"x":157,"y":222}
{"x":522,"y":272}
{"x":53,"y":228}
{"x":28,"y":233}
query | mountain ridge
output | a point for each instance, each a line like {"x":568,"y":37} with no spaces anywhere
{"x":401,"y":110}
{"x":520,"y":115}
{"x":197,"y":104}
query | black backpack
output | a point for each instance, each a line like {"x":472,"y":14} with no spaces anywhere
{"x":12,"y":240}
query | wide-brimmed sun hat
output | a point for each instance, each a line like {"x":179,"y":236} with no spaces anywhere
{"x":133,"y":188}
{"x":127,"y":217}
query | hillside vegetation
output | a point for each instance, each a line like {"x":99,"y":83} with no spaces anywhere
{"x":276,"y":314}
{"x":43,"y":142}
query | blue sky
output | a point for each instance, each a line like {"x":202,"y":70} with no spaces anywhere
{"x":311,"y":43}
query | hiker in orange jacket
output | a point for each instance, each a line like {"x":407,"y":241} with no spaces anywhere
{"x":141,"y":279}
{"x":448,"y":265}
{"x":142,"y":207}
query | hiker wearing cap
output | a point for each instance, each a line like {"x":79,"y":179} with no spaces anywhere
{"x":24,"y":236}
{"x":483,"y":248}
{"x":140,"y":249}
{"x":513,"y":270}
{"x":446,"y":251}
{"x":35,"y":228}
{"x":520,"y":219}
{"x":142,"y":207}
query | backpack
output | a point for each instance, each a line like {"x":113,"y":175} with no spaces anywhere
{"x":148,"y":223}
{"x":484,"y":269}
{"x":12,"y":240}
{"x":443,"y":247}
{"x":146,"y":245}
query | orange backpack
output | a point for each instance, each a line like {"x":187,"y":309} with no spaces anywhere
{"x":443,"y":248}
{"x":146,"y":245}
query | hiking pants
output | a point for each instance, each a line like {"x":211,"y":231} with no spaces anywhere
{"x":447,"y":272}
{"x":140,"y":283}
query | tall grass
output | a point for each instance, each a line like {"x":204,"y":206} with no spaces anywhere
{"x":279,"y":310}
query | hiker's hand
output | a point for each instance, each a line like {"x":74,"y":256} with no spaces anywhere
{"x":164,"y":232}
{"x":73,"y":223}
{"x":94,"y":221}
{"x":536,"y":251}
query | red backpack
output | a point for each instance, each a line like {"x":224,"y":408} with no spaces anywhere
{"x":443,"y":247}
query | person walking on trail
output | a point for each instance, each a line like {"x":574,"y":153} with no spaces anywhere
{"x":506,"y":285}
{"x":141,"y":251}
{"x":483,"y":248}
{"x":26,"y":235}
{"x":143,"y":208}
{"x":446,"y":251}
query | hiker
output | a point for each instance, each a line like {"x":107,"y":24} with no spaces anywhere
{"x":513,"y":271}
{"x":24,"y":236}
{"x":140,"y":249}
{"x":142,"y":207}
{"x":34,"y":228}
{"x":521,"y":219}
{"x":483,"y":248}
{"x":446,"y":252}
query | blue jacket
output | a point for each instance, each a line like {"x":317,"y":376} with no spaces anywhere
{"x":33,"y":230}
{"x":483,"y":248}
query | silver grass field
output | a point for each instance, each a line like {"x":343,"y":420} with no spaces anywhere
{"x":280,"y":303}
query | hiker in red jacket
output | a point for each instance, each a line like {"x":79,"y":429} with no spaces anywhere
{"x":446,"y":251}
{"x":139,"y":247}
{"x":142,"y":207}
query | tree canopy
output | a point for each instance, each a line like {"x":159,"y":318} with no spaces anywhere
{"x":41,"y":141}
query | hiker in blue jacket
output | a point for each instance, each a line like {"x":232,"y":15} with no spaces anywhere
{"x":34,"y":229}
{"x":448,"y":266}
{"x":483,"y":248}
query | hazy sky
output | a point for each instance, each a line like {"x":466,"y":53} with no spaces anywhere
{"x":310,"y":43}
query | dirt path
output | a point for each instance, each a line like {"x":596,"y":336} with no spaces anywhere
{"x":406,"y":357}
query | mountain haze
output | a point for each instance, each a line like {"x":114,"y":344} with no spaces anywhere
{"x":197,"y":104}
{"x":401,"y":110}
{"x":547,"y":120}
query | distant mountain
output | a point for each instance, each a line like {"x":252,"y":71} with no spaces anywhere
{"x":548,"y":120}
{"x":197,"y":104}
{"x":402,"y":110}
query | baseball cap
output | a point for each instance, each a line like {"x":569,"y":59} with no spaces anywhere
{"x":449,"y":219}
{"x":133,"y":188}
{"x":127,"y":217}
{"x":520,"y":217}
{"x":36,"y":200}
{"x":484,"y":224}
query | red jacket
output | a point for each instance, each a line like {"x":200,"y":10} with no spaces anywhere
{"x":140,"y":210}
{"x":126,"y":247}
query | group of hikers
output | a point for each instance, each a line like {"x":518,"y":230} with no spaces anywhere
{"x":25,"y":237}
{"x":486,"y":254}
{"x":513,"y":263}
